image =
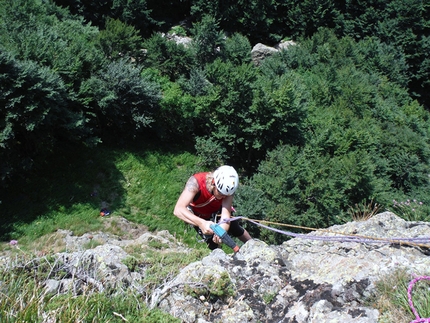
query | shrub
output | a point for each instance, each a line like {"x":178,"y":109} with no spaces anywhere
{"x":170,"y":59}
{"x":120,"y":40}
{"x":119,"y":99}
{"x":208,"y":41}
{"x":210,"y":152}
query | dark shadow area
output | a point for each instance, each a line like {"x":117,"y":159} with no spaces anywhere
{"x":74,"y":174}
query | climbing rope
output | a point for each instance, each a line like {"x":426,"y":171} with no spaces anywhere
{"x":423,"y":242}
{"x":342,"y":237}
{"x":418,"y":319}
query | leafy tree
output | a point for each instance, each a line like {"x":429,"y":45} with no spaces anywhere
{"x":276,"y":115}
{"x":402,"y":24}
{"x":94,"y":12}
{"x":65,"y":44}
{"x":222,"y":118}
{"x":171,"y":59}
{"x":238,"y":49}
{"x":119,"y":40}
{"x":208,"y":41}
{"x":407,"y":28}
{"x":308,"y":188}
{"x":249,"y":114}
{"x":175,"y":118}
{"x":252,"y":19}
{"x":375,"y":56}
{"x":211,"y":153}
{"x":197,"y":84}
{"x":304,"y":18}
{"x":360,"y":18}
{"x":362,"y":136}
{"x":33,"y":109}
{"x":132,"y":12}
{"x":119,"y":99}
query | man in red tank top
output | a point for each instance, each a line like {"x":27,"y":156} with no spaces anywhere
{"x":206,"y":194}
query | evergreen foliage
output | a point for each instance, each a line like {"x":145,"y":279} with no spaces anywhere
{"x":175,"y":115}
{"x":132,"y":12}
{"x":337,"y":120}
{"x":120,"y":99}
{"x":208,"y":40}
{"x":65,"y":44}
{"x":350,"y":152}
{"x":33,"y":111}
{"x":170,"y":59}
{"x":238,"y":49}
{"x":119,"y":40}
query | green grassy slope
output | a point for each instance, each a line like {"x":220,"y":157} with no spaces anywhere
{"x":69,"y":191}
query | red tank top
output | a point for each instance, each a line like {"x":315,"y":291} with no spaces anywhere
{"x":206,"y":203}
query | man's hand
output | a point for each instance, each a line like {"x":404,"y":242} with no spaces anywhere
{"x":221,"y":233}
{"x":206,"y":227}
{"x":217,"y":239}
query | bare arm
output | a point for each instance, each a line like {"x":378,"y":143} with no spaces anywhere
{"x":181,"y":211}
{"x":226,"y":211}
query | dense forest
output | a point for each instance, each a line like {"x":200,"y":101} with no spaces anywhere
{"x":340,"y":119}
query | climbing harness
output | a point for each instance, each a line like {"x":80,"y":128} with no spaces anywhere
{"x":418,"y":319}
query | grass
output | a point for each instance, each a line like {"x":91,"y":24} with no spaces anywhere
{"x":364,"y":211}
{"x":411,"y":210}
{"x":23,"y":297}
{"x":391,"y":298}
{"x":140,"y":184}
{"x":22,"y":300}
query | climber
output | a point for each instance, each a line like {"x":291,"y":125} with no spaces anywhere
{"x":207,"y":199}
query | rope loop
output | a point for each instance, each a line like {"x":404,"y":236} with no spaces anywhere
{"x":418,"y":319}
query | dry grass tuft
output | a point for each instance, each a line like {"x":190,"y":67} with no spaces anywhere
{"x":364,"y":211}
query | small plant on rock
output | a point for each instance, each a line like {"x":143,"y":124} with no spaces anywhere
{"x":132,"y":263}
{"x":157,"y":244}
{"x":410,"y":210}
{"x":364,"y":211}
{"x":268,"y":297}
{"x":178,"y":30}
{"x":221,"y":286}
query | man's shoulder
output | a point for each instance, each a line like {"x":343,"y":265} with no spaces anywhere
{"x":200,"y":175}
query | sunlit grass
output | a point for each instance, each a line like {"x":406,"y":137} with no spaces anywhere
{"x":140,"y":185}
{"x":151,"y":185}
{"x":23,"y":299}
{"x":391,"y":298}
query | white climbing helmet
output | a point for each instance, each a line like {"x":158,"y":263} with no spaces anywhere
{"x":226,"y":180}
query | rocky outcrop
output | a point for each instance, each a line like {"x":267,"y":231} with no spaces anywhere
{"x":302,"y":280}
{"x":306,"y":279}
{"x":260,"y":51}
{"x":179,"y":40}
